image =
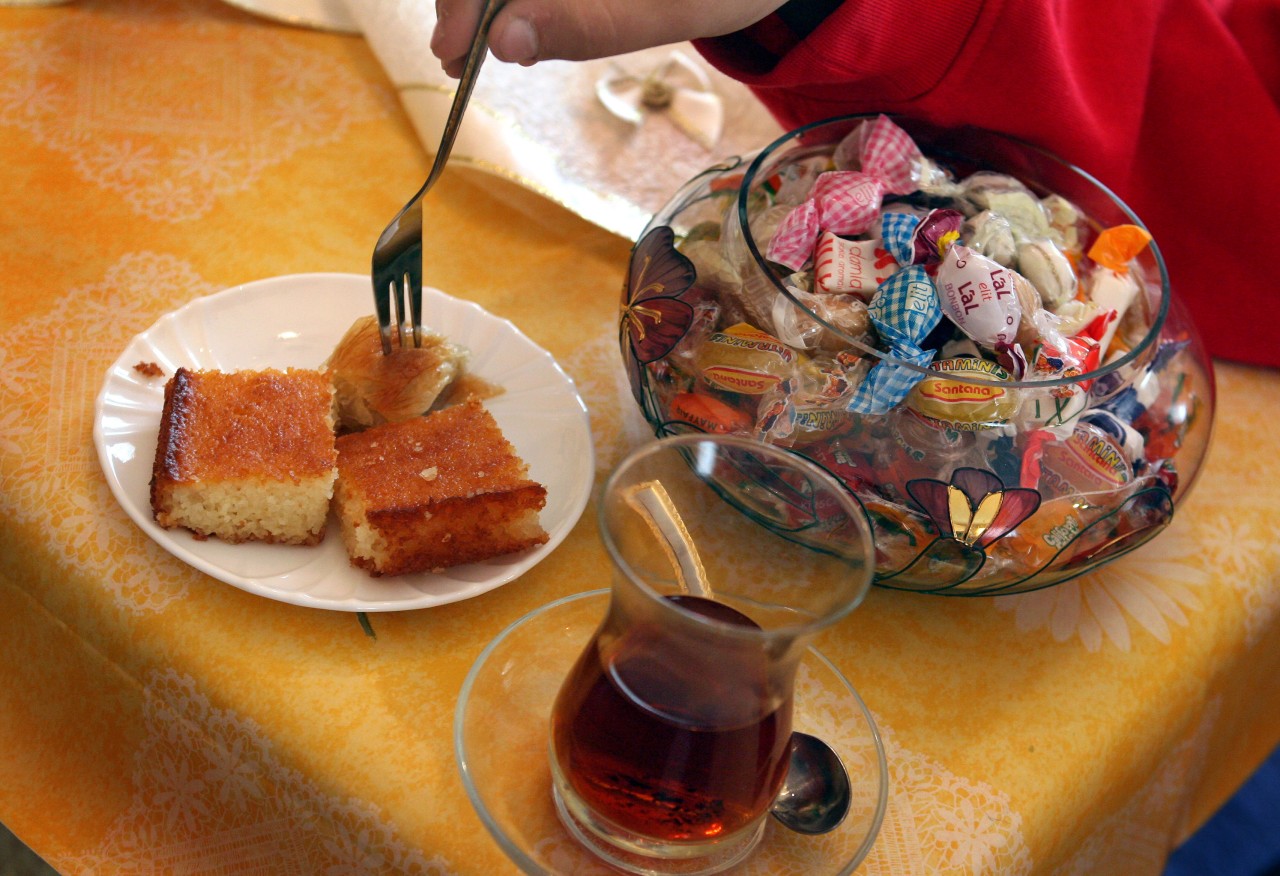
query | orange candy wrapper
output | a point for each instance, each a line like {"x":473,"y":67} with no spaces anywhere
{"x":1118,"y":245}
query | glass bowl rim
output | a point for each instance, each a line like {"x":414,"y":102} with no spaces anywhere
{"x":1140,"y":349}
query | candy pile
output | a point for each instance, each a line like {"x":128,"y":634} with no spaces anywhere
{"x":987,"y":286}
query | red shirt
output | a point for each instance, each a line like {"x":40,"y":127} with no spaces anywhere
{"x":1172,"y":104}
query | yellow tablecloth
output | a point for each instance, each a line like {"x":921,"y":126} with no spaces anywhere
{"x":154,"y":720}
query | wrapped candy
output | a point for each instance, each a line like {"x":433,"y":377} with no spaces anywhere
{"x":897,"y":229}
{"x":1038,"y":539}
{"x":881,"y":148}
{"x":1129,"y":439}
{"x":745,"y":360}
{"x":1090,"y":461}
{"x":848,"y":202}
{"x":888,"y":383}
{"x":1008,"y":197}
{"x":708,"y":413}
{"x":1034,"y":322}
{"x":1112,"y":292}
{"x":962,"y":406}
{"x":856,"y":266}
{"x":1041,"y":262}
{"x":1073,"y":356}
{"x":934,"y":234}
{"x":904,"y":310}
{"x":1066,"y":221}
{"x":795,"y":327}
{"x":1119,"y":245}
{"x":810,"y":407}
{"x":1112,"y":285}
{"x":991,"y":235}
{"x":978,"y":295}
{"x":844,"y":202}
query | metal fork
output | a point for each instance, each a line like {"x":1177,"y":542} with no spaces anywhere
{"x":397,"y":256}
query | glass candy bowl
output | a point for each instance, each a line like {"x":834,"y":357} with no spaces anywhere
{"x":976,"y":338}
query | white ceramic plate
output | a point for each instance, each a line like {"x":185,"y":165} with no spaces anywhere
{"x":321,"y":14}
{"x":295,"y":322}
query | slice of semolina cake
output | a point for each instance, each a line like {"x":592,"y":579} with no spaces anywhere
{"x":433,"y":492}
{"x":246,"y":455}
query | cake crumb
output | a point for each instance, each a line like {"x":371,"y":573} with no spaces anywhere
{"x":149,"y":369}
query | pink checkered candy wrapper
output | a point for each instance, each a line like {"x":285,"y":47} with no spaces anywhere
{"x":848,"y":201}
{"x":844,"y":202}
{"x":978,"y":295}
{"x":792,"y":243}
{"x":889,"y":154}
{"x":850,"y":266}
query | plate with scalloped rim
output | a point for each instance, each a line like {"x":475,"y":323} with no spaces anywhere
{"x":331,"y":15}
{"x":295,"y":322}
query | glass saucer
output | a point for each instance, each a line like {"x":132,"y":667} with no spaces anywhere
{"x":501,"y":730}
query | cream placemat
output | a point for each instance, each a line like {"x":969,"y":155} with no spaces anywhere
{"x":547,"y":128}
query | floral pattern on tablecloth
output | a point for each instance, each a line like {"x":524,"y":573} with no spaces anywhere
{"x":1241,"y":546}
{"x":46,"y":395}
{"x":1153,"y":588}
{"x":171,"y":145}
{"x":1136,"y":837}
{"x":211,"y":797}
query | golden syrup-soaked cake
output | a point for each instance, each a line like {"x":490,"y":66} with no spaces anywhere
{"x":374,"y":388}
{"x":246,"y":455}
{"x":433,"y":492}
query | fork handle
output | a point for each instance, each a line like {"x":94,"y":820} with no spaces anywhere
{"x":466,"y":85}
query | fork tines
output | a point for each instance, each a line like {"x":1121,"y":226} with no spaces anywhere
{"x":398,"y":291}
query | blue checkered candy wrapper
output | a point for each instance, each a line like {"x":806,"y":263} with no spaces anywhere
{"x":888,"y":382}
{"x":905,"y":308}
{"x":896,"y":230}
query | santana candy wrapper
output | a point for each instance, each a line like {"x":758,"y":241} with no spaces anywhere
{"x":743,"y":359}
{"x":965,"y":406}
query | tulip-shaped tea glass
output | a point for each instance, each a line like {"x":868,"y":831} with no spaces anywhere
{"x":671,"y":734}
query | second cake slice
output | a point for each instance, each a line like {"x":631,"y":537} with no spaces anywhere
{"x":433,"y":492}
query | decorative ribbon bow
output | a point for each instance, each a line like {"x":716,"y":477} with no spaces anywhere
{"x":677,"y":87}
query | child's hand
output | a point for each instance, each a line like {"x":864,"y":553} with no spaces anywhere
{"x":528,"y":31}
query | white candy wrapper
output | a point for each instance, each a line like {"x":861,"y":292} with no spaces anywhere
{"x":1112,"y":291}
{"x":979,"y":296}
{"x":841,"y":265}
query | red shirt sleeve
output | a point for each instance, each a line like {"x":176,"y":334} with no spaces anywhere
{"x":1163,"y":101}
